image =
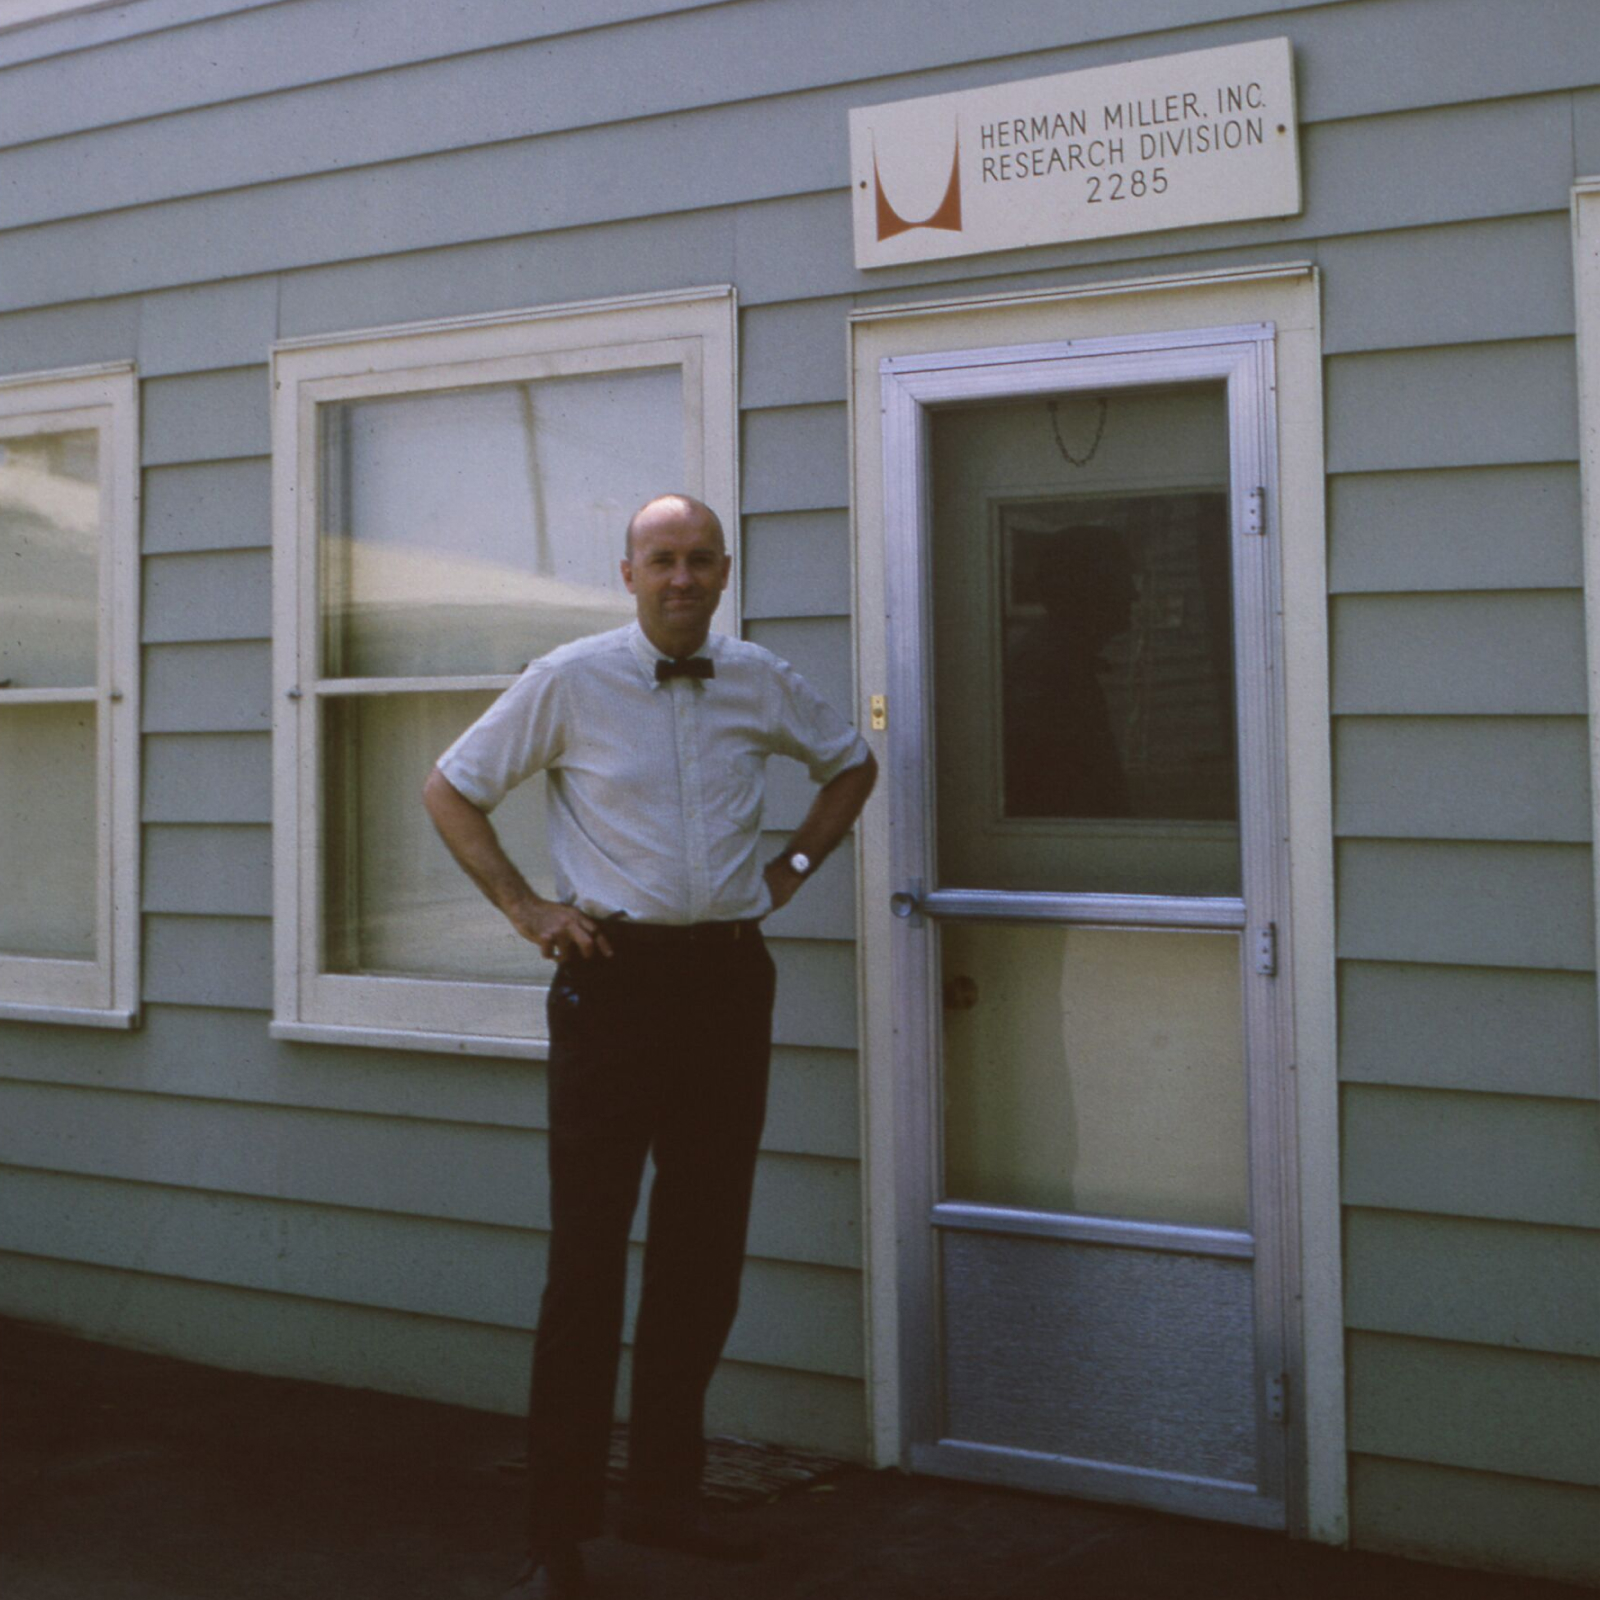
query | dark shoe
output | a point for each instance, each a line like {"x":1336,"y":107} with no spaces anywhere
{"x":687,"y":1529}
{"x":555,"y":1575}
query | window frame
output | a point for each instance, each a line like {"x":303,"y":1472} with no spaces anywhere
{"x":693,"y":330}
{"x":103,"y":991}
{"x":1586,"y":295}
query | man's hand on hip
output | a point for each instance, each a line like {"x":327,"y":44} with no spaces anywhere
{"x":558,"y":930}
{"x":782,"y":882}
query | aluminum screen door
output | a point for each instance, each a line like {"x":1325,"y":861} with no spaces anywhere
{"x":1086,"y":796}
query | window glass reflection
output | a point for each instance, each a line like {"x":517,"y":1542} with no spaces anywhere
{"x":1116,"y":660}
{"x":1084,"y":721}
{"x":471,"y":530}
{"x":49,"y":559}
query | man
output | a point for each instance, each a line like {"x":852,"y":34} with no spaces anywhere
{"x":654,"y":739}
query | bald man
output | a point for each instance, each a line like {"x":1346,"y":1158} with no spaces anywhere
{"x":654,"y":739}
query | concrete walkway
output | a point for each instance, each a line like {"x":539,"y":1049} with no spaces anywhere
{"x":126,"y":1476}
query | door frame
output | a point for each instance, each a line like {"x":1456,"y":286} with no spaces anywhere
{"x":895,"y":1121}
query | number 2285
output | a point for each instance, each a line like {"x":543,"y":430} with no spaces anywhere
{"x":1134,"y":185}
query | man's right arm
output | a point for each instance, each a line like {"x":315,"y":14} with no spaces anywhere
{"x":470,"y":837}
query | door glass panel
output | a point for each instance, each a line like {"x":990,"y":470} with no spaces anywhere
{"x":48,"y":851}
{"x":1095,"y":1071}
{"x":394,"y":902}
{"x":49,"y":559}
{"x":471,"y":530}
{"x":1083,"y":644}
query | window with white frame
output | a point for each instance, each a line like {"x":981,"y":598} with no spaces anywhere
{"x":69,"y":719}
{"x":450,"y":501}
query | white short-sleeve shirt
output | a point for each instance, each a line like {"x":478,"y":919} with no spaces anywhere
{"x":655,"y":789}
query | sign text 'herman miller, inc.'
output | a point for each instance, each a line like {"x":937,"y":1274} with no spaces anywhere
{"x":1173,"y":142}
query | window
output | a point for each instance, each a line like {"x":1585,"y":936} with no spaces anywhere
{"x":449,"y":503}
{"x":69,"y":716}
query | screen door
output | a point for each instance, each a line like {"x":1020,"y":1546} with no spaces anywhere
{"x":1087,"y":866}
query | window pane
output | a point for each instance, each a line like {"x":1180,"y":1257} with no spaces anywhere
{"x":50,"y":550}
{"x":472,"y":530}
{"x":48,"y":846}
{"x":1096,"y":1072}
{"x":395,"y":902}
{"x":1083,"y":644}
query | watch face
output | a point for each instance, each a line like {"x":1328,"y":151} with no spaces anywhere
{"x":800,"y":862}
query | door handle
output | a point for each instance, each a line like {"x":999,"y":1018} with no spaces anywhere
{"x":907,"y":904}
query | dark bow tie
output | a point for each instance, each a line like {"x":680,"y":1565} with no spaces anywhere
{"x":693,"y":667}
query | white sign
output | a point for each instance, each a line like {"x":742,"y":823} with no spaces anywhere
{"x":1173,"y":142}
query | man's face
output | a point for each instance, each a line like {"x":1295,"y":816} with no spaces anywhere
{"x":676,"y":573}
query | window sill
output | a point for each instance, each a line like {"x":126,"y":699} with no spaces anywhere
{"x":448,"y":1044}
{"x":76,"y":1016}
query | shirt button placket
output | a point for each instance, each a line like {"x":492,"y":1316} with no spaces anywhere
{"x":686,"y":703}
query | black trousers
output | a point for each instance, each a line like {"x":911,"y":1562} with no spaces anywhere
{"x":661,"y":1050}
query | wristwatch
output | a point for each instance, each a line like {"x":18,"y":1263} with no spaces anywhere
{"x":797,"y":861}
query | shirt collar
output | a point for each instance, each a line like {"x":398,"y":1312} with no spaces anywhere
{"x":647,"y":655}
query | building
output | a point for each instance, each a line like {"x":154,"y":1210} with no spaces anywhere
{"x":1208,"y":1122}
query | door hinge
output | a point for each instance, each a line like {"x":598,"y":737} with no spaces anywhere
{"x":1278,"y":1398}
{"x":1255,"y":511}
{"x":878,"y":707}
{"x":1267,"y":950}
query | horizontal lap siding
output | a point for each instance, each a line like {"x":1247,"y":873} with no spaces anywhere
{"x":807,"y":1208}
{"x":189,"y":1052}
{"x":394,"y":1351}
{"x":1465,"y":926}
{"x":495,"y":162}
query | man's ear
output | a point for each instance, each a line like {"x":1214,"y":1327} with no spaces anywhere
{"x":627,"y":574}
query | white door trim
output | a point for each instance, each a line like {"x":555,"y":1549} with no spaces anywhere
{"x":1288,"y":298}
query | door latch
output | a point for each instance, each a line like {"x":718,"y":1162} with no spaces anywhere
{"x":907,"y":904}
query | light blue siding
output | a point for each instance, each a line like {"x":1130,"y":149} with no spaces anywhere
{"x":1464,"y":406}
{"x":1501,"y":1031}
{"x":208,"y":416}
{"x":394,"y":1351}
{"x":1459,"y":654}
{"x":1477,"y":528}
{"x":1534,"y":1416}
{"x":797,"y":565}
{"x":207,"y":327}
{"x":1465,"y":283}
{"x":69,"y":336}
{"x":216,"y":505}
{"x":1492,"y":905}
{"x":806,"y":1209}
{"x":795,"y":458}
{"x":1462,"y":778}
{"x":195,"y":1052}
{"x":213,"y":596}
{"x":208,"y":870}
{"x":208,"y":961}
{"x":1431,"y":1513}
{"x":1495,"y":1283}
{"x":802,"y":1317}
{"x":207,"y":688}
{"x":207,"y":777}
{"x":1472,"y":1155}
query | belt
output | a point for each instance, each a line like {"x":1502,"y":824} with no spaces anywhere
{"x":621,"y":930}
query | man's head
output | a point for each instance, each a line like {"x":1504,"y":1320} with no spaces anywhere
{"x":676,"y":568}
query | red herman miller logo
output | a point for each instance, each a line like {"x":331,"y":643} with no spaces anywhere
{"x":947,"y":214}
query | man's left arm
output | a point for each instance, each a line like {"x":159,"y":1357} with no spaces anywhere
{"x":833,"y":812}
